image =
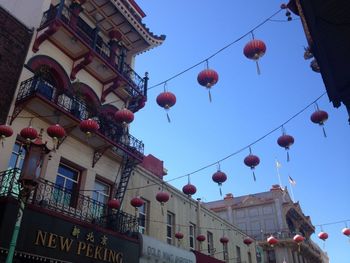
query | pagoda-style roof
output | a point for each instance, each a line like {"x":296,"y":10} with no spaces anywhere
{"x":125,"y":17}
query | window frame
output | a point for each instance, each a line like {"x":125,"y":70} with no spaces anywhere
{"x":74,"y":192}
{"x":143,"y":229}
{"x":210,"y":241}
{"x":192,"y":235}
{"x":170,"y":228}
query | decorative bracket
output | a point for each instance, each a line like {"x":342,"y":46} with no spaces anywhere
{"x":98,"y":154}
{"x":68,"y":130}
{"x":108,"y":90}
{"x":50,"y":31}
{"x":17,"y":110}
{"x":86,"y":61}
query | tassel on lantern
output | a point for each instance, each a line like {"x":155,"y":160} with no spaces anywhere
{"x":210,"y":100}
{"x":166,"y":100}
{"x":254,"y":50}
{"x":208,"y":78}
{"x":252,"y":161}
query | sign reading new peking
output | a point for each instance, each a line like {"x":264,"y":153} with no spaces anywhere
{"x":85,"y":248}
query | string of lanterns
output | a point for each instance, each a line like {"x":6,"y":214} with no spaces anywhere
{"x":247,"y":240}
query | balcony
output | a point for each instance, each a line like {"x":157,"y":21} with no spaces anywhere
{"x":83,"y":44}
{"x":50,"y":197}
{"x":286,"y":237}
{"x":38,"y":96}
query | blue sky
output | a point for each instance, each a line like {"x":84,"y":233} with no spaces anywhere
{"x":245,"y":107}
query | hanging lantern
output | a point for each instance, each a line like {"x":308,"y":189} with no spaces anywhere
{"x":162,"y":197}
{"x":298,"y":239}
{"x":201,"y":238}
{"x":346,"y":231}
{"x":272,"y":240}
{"x":320,"y":117}
{"x":189,"y":189}
{"x":56,"y":132}
{"x":208,"y":78}
{"x":219,"y":177}
{"x":247,"y":241}
{"x":179,"y":235}
{"x":89,"y":127}
{"x":5,"y":132}
{"x":254,"y":50}
{"x":285,"y":141}
{"x":224,"y":240}
{"x":29,"y":133}
{"x":124,"y":116}
{"x":323,"y":235}
{"x":166,"y":100}
{"x":252,"y":161}
{"x":113,"y":204}
{"x":137,"y":202}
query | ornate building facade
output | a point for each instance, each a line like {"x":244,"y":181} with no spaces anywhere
{"x":272,"y":213}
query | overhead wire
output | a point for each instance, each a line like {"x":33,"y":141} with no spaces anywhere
{"x":218,"y":51}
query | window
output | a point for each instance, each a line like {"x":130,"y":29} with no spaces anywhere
{"x":66,"y":185}
{"x":249,"y":257}
{"x":225,"y":251}
{"x":192,"y":234}
{"x":271,"y":257}
{"x":16,"y":161}
{"x":238,"y":253}
{"x":170,"y":228}
{"x":211,"y":249}
{"x":101,"y":196}
{"x":143,"y":216}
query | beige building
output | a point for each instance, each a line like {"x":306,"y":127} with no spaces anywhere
{"x":272,"y":213}
{"x":78,"y":76}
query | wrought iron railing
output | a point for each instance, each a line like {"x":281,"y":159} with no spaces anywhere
{"x":288,"y":236}
{"x":9,"y":182}
{"x":50,"y":196}
{"x":91,"y":38}
{"x":77,"y":107}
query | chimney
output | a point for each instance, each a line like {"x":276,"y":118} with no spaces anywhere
{"x":276,"y":187}
{"x":154,"y":165}
{"x":228,"y":196}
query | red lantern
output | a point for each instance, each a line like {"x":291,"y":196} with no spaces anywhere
{"x":323,"y":236}
{"x":298,"y":239}
{"x":254,"y":50}
{"x":179,"y":235}
{"x":89,"y":126}
{"x":346,"y":231}
{"x":224,"y":240}
{"x":189,"y":189}
{"x":162,"y":197}
{"x":252,"y":161}
{"x":56,"y":132}
{"x":208,"y":78}
{"x":124,"y":116}
{"x":247,"y":241}
{"x":114,"y":204}
{"x":272,"y":240}
{"x":137,"y":202}
{"x":219,"y":177}
{"x":285,"y":141}
{"x":166,"y":100}
{"x":201,"y":238}
{"x":320,"y":117}
{"x":5,"y":132}
{"x":29,"y":133}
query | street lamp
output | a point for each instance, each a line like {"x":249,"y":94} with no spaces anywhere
{"x":28,"y":179}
